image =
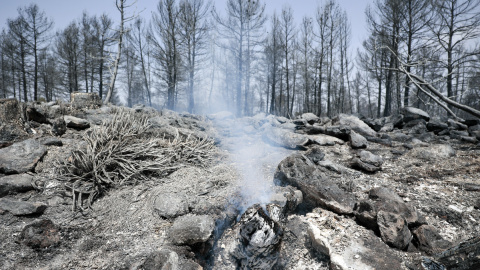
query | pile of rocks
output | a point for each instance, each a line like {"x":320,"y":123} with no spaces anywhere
{"x":391,"y":193}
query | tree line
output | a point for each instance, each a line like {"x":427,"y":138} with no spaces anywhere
{"x":190,"y":56}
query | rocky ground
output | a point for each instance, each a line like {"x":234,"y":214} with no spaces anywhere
{"x":272,"y":193}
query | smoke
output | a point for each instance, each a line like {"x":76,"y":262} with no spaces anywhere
{"x":254,"y":160}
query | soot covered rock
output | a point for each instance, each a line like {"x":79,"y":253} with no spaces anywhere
{"x":260,"y":240}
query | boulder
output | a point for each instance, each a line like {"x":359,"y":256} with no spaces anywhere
{"x":357,"y":141}
{"x":36,"y":114}
{"x":16,"y":183}
{"x":427,"y":239}
{"x":393,"y":229}
{"x":59,"y":126}
{"x":416,"y":127}
{"x":22,"y":208}
{"x":299,"y":171}
{"x":411,"y":113}
{"x":355,"y":124}
{"x":76,"y":123}
{"x":21,"y":157}
{"x":375,"y":124}
{"x":348,"y":245}
{"x":285,"y":138}
{"x":325,"y":140}
{"x":81,"y":100}
{"x":191,"y":229}
{"x":436,"y":125}
{"x":368,"y":162}
{"x":315,"y":154}
{"x":170,"y":205}
{"x":310,"y":118}
{"x":382,"y":199}
{"x":40,"y":234}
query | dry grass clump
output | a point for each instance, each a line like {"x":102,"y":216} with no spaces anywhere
{"x":119,"y":152}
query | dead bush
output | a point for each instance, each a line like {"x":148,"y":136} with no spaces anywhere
{"x":119,"y":152}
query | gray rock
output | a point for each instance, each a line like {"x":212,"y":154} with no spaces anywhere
{"x":299,"y":171}
{"x":368,"y":162}
{"x":163,"y":259}
{"x":76,"y":123}
{"x":40,"y":234}
{"x":400,"y":137}
{"x":355,"y":124}
{"x":49,"y":141}
{"x":348,"y":245}
{"x":284,"y":138}
{"x":419,"y":127}
{"x":36,"y":114}
{"x":191,"y":229}
{"x":427,"y":239}
{"x":22,"y":208}
{"x":315,"y":154}
{"x":411,"y":113}
{"x":375,"y":124}
{"x":357,"y":141}
{"x":170,"y":205}
{"x":388,"y":127}
{"x":310,"y":118}
{"x":436,"y":125}
{"x":387,"y":201}
{"x":21,"y":157}
{"x":393,"y":229}
{"x":383,"y":194}
{"x":59,"y":126}
{"x":16,"y":183}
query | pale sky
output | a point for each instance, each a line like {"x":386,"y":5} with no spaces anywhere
{"x":65,"y":11}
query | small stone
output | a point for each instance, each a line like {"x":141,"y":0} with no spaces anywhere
{"x":40,"y":234}
{"x":191,"y":229}
{"x":76,"y":123}
{"x":16,"y":183}
{"x":170,"y":205}
{"x":21,"y":208}
{"x":59,"y":126}
{"x":455,"y":208}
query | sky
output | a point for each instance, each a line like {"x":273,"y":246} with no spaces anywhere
{"x":62,"y":12}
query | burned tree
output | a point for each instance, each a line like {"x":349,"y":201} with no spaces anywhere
{"x":166,"y":39}
{"x":245,"y":17}
{"x":121,"y":6}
